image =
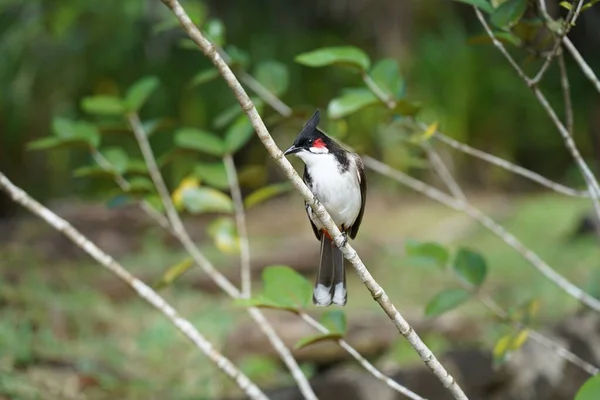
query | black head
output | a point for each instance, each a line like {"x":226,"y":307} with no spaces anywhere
{"x":311,"y":138}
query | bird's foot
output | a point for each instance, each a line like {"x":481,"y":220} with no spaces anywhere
{"x":345,"y":235}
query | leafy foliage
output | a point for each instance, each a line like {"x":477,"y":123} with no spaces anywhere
{"x":386,"y":74}
{"x":470,"y":266}
{"x":103,"y":105}
{"x":198,"y":200}
{"x":508,"y":13}
{"x":238,"y":134}
{"x":590,"y":389}
{"x":351,"y":101}
{"x":348,"y":55}
{"x":224,"y":234}
{"x":508,"y":344}
{"x":427,"y":252}
{"x":334,"y":321}
{"x":483,"y":5}
{"x":265,"y":193}
{"x":139,"y":92}
{"x":199,"y":140}
{"x":446,"y":301}
{"x":173,"y":273}
{"x":282,"y":288}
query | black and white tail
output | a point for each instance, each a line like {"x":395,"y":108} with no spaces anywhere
{"x":330,"y":286}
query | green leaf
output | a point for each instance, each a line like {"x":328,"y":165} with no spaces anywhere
{"x":103,"y":105}
{"x":140,"y":185}
{"x":117,"y":158}
{"x":204,"y":199}
{"x":213,"y":174}
{"x":335,"y":55}
{"x":590,"y":389}
{"x":566,"y":4}
{"x":119,"y":201}
{"x":204,"y":76}
{"x":265,"y":193}
{"x":63,"y":128}
{"x":199,"y":140}
{"x":335,"y":321}
{"x":44,"y":143}
{"x":504,"y":37}
{"x":215,"y":30}
{"x":137,"y":166}
{"x":92,"y":171}
{"x":446,"y":301}
{"x":227,"y":116}
{"x":239,"y":57}
{"x":386,"y":74}
{"x":470,"y":266}
{"x":427,"y":252}
{"x":238,"y":134}
{"x":350,"y":102}
{"x":174,"y":272}
{"x":286,"y":286}
{"x":223,"y":232}
{"x":87,"y":133}
{"x":524,"y":313}
{"x":139,"y":92}
{"x":508,"y":13}
{"x":407,"y":108}
{"x":316,"y":338}
{"x":273,"y":75}
{"x":283,"y":288}
{"x":483,"y":5}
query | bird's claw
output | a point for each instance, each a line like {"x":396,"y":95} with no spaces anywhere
{"x":345,"y":236}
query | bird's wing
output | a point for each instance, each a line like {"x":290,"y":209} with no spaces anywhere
{"x":307,"y":180}
{"x":362,"y":180}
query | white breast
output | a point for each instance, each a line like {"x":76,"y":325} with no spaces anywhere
{"x":338,"y":192}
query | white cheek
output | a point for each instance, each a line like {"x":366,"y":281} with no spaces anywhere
{"x":319,"y":150}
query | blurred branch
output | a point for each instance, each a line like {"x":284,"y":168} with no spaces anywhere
{"x":488,"y":223}
{"x":564,"y":82}
{"x":569,"y":21}
{"x":583,"y":65}
{"x":443,"y":172}
{"x":240,"y":219}
{"x":557,"y":187}
{"x":362,"y":361}
{"x":181,"y":233}
{"x":592,"y":183}
{"x":143,"y":291}
{"x":350,"y":254}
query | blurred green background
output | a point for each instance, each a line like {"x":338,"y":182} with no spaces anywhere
{"x":53,"y":53}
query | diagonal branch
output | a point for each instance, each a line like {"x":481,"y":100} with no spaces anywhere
{"x":350,"y":254}
{"x":592,"y":183}
{"x":143,"y":291}
{"x":181,"y":233}
{"x":583,"y":65}
{"x":488,"y":223}
{"x":500,"y":162}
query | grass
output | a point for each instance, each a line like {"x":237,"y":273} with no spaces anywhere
{"x":124,"y":349}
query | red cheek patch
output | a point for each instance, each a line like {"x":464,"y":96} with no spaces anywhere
{"x":319,"y":143}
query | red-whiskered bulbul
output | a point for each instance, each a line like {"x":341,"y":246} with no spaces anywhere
{"x":337,"y":179}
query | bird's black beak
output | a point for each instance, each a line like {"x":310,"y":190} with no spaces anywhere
{"x":293,"y":149}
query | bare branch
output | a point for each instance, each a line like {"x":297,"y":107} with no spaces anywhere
{"x":366,"y":364}
{"x":564,"y":82}
{"x":442,"y":171}
{"x":145,"y":292}
{"x":492,"y":159}
{"x":592,"y":183}
{"x":350,"y":254}
{"x":181,"y":233}
{"x":569,"y":21}
{"x":240,"y":218}
{"x":488,"y":223}
{"x":583,"y":65}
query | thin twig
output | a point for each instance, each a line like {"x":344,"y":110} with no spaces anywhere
{"x":492,"y":159}
{"x":569,"y":20}
{"x":145,"y":292}
{"x":349,"y":253}
{"x":183,"y":236}
{"x":488,"y":223}
{"x":564,"y":81}
{"x":240,"y":219}
{"x":363,"y":361}
{"x":442,"y":170}
{"x":583,"y":65}
{"x":590,"y":179}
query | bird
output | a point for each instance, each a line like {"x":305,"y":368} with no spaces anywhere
{"x":336,"y":177}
